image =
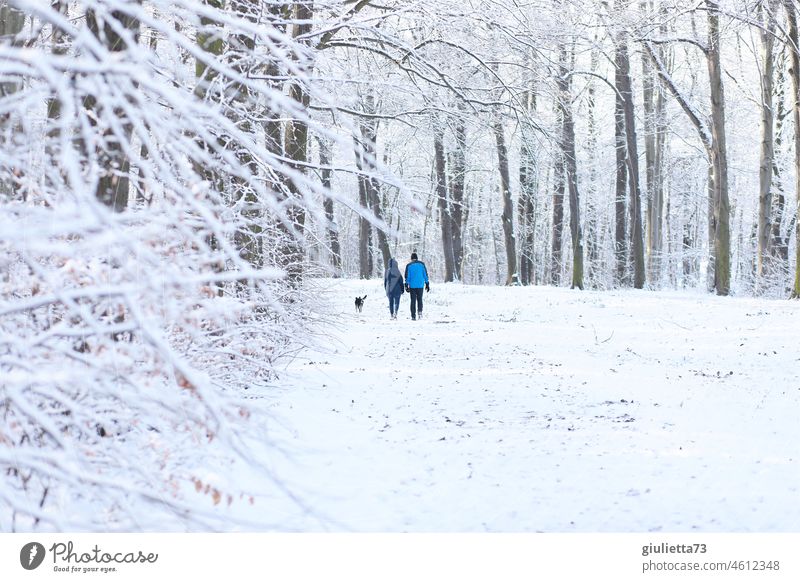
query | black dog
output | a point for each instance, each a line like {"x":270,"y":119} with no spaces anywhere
{"x":360,"y":303}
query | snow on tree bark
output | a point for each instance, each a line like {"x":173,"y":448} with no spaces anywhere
{"x":632,"y":160}
{"x":794,"y":72}
{"x":507,"y":216}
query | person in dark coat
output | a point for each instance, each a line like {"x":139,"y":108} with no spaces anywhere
{"x":393,"y":283}
{"x":416,"y":281}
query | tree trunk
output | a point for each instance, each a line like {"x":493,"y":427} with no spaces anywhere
{"x":648,"y":106}
{"x":779,"y":244}
{"x":767,"y":158}
{"x":528,"y":177}
{"x":574,"y":203}
{"x":712,"y":224}
{"x":657,"y":211}
{"x":142,"y":179}
{"x":210,"y":40}
{"x":12,"y":22}
{"x":634,"y":207}
{"x":331,"y":229}
{"x":570,"y":165}
{"x":508,"y":207}
{"x":445,"y":217}
{"x":375,"y":202}
{"x":59,"y":47}
{"x":273,"y":124}
{"x":248,"y":237}
{"x":296,"y":150}
{"x":368,"y":164}
{"x":620,"y":240}
{"x":557,"y":233}
{"x":526,"y":207}
{"x":654,"y":141}
{"x":113,"y":186}
{"x":794,"y":71}
{"x":722,"y":245}
{"x":458,"y":174}
{"x":364,"y":226}
{"x":592,"y":220}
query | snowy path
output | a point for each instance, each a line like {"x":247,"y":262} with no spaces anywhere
{"x":541,"y":409}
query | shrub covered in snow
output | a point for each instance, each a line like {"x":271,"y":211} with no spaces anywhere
{"x":146,"y":229}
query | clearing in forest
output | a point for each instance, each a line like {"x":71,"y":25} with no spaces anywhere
{"x":544,"y":409}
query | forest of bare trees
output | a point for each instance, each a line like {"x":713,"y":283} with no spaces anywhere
{"x":173,"y":173}
{"x":632,"y":124}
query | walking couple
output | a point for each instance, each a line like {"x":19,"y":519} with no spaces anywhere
{"x":416,"y":279}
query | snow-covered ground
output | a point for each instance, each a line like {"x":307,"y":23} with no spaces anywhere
{"x":543,"y":409}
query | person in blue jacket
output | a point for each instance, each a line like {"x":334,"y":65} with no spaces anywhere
{"x":416,"y":281}
{"x":393,"y":283}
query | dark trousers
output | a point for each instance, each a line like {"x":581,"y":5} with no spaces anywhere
{"x":416,"y":302}
{"x":394,"y":303}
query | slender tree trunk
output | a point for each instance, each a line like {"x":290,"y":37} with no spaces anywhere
{"x":296,"y":150}
{"x":141,"y":178}
{"x":712,"y":224}
{"x":508,"y":207}
{"x":458,"y":173}
{"x":58,"y":48}
{"x":648,"y":106}
{"x":11,"y":23}
{"x":368,"y":159}
{"x":592,"y":215}
{"x":364,"y":226}
{"x":767,"y":160}
{"x":331,"y":229}
{"x":657,"y":210}
{"x":522,"y":228}
{"x":570,"y":165}
{"x":779,"y":244}
{"x":210,"y":40}
{"x":722,"y":244}
{"x":794,"y":71}
{"x":574,"y":203}
{"x":273,"y":124}
{"x":528,"y":178}
{"x":526,"y":208}
{"x":634,"y":207}
{"x":620,"y":240}
{"x":113,"y":187}
{"x":376,"y":205}
{"x":445,"y":218}
{"x":688,"y":245}
{"x":574,"y":206}
{"x":248,"y":237}
{"x":654,"y":141}
{"x":557,"y":232}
